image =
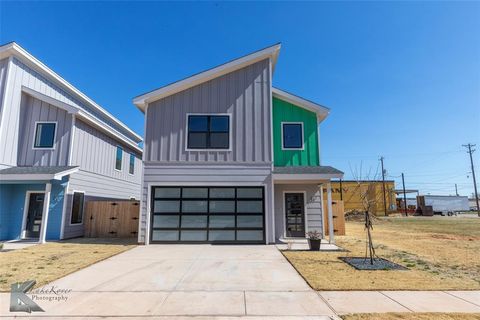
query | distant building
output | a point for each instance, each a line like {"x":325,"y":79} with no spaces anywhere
{"x":350,"y":191}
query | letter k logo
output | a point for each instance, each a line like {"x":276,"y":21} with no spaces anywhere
{"x":19,"y":301}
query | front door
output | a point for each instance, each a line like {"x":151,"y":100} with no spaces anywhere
{"x":34,"y":215}
{"x":295,"y":214}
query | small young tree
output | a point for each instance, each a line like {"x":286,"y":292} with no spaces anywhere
{"x":369,"y":201}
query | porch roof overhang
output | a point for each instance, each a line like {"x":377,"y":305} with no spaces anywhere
{"x":19,"y":174}
{"x":305,"y":174}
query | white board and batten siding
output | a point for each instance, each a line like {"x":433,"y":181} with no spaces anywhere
{"x":3,"y":81}
{"x":313,"y":208}
{"x":245,"y":95}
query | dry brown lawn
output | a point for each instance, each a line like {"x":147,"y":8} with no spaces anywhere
{"x":412,"y":316}
{"x":53,"y":260}
{"x":441,"y":253}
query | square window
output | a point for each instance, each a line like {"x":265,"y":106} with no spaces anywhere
{"x":292,"y":135}
{"x":45,"y":135}
{"x":208,"y":132}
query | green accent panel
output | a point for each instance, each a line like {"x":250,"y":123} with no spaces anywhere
{"x":286,"y":112}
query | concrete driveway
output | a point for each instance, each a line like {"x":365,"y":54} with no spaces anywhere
{"x":189,"y":280}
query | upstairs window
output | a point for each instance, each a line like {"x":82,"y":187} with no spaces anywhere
{"x":292,"y":135}
{"x":118,"y":158}
{"x":44,"y":135}
{"x":208,"y":132}
{"x":77,"y":208}
{"x":131,"y":167}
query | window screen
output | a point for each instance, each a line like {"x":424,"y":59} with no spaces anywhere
{"x":45,"y":135}
{"x":208,"y":132}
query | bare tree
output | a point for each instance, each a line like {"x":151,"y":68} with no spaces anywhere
{"x":369,"y":201}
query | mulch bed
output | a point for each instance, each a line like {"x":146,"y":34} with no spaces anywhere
{"x":362,"y":263}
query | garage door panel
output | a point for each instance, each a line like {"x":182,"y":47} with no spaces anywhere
{"x":208,"y":214}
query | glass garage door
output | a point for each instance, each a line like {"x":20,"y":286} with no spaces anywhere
{"x":207,"y":214}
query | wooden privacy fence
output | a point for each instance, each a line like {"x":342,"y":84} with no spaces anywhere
{"x":338,"y":217}
{"x":111,"y":219}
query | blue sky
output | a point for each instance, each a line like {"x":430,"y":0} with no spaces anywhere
{"x":402,"y":79}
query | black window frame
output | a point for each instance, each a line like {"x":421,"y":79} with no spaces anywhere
{"x":116,"y":158}
{"x":79,"y":215}
{"x":209,"y":132}
{"x":302,"y":134}
{"x":131,"y":164}
{"x":209,"y":214}
{"x":35,"y":137}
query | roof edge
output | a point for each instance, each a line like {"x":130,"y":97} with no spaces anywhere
{"x":321,"y":111}
{"x":270,"y":52}
{"x":13,"y":48}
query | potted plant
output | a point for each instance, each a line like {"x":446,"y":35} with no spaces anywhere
{"x":314,"y":239}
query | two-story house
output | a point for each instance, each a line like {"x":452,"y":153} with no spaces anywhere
{"x":230,"y":159}
{"x":58,"y":149}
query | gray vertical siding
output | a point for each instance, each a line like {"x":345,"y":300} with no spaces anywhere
{"x":245,"y":94}
{"x":20,"y":75}
{"x":95,"y":152}
{"x":33,"y":110}
{"x":313,"y":209}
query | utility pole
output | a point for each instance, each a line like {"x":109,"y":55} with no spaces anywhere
{"x":383,"y":186}
{"x":404,"y":195}
{"x":470,"y":151}
{"x":456,"y":190}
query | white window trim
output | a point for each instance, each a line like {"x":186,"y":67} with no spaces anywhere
{"x":129,"y":158}
{"x":115,"y":159}
{"x":303,"y":135}
{"x":71,"y":209}
{"x":35,"y":135}
{"x":304,"y":213}
{"x":210,"y":114}
{"x":26,"y":206}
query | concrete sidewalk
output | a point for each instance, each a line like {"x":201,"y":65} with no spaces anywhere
{"x":344,"y":302}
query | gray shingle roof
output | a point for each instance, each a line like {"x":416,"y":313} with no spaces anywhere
{"x":36,"y":170}
{"x":307,"y":170}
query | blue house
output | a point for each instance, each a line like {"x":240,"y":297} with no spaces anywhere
{"x":58,"y":149}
